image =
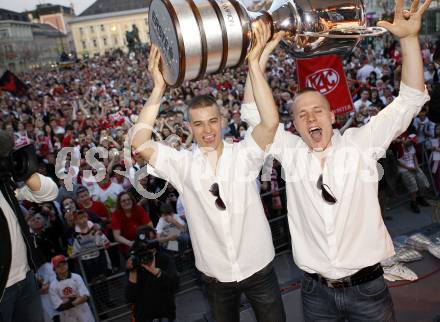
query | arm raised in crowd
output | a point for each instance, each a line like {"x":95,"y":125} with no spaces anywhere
{"x":264,"y":132}
{"x":406,"y":27}
{"x":249,"y":113}
{"x":394,"y":119}
{"x":141,"y":139}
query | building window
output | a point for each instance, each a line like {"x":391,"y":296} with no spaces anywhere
{"x":104,"y":41}
{"x":84,"y":45}
{"x":115,"y":41}
{"x":95,"y":43}
{"x":102,"y":28}
{"x":92,"y":30}
{"x":81,"y":31}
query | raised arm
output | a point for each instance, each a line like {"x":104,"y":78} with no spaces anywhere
{"x":394,"y":119}
{"x":264,"y":132}
{"x":143,"y":129}
{"x":406,"y":27}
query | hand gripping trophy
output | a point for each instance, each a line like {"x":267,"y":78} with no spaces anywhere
{"x":201,"y":37}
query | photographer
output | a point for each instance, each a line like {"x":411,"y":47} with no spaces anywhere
{"x":20,"y":301}
{"x":152,"y":280}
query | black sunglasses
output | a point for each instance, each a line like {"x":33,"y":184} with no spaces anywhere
{"x":216,"y":193}
{"x":326,"y":193}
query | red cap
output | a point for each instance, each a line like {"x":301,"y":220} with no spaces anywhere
{"x":58,"y":259}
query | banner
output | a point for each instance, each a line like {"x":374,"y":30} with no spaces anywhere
{"x":12,"y":84}
{"x":326,"y":75}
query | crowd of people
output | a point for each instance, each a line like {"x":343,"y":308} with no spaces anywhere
{"x":94,"y":103}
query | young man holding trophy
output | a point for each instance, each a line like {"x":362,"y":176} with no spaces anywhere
{"x":338,"y":235}
{"x":230,"y":235}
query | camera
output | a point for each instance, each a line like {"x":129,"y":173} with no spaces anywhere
{"x":143,"y":250}
{"x":21,"y":163}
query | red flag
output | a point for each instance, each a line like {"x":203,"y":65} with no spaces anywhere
{"x":325,"y":74}
{"x":12,"y":84}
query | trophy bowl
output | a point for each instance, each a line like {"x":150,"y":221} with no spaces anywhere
{"x":201,"y":37}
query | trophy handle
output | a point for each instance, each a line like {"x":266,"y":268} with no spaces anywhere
{"x":349,"y":32}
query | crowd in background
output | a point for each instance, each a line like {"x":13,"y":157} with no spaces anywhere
{"x":94,"y":102}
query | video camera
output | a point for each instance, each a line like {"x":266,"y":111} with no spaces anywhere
{"x":20,"y":164}
{"x":142,"y":251}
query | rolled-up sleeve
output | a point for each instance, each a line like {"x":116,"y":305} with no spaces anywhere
{"x":392,"y":121}
{"x":48,"y":191}
{"x":249,"y":114}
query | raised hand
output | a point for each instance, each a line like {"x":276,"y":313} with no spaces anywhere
{"x":261,"y":35}
{"x":406,"y":23}
{"x":271,"y":45}
{"x":153,"y":67}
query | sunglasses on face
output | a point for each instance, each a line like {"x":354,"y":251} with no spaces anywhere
{"x":214,"y":190}
{"x":326,"y":193}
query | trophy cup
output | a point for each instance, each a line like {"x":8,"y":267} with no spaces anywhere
{"x":201,"y":37}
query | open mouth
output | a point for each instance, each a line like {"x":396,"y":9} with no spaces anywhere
{"x":209,"y":139}
{"x":315,"y":133}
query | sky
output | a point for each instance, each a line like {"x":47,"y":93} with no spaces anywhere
{"x":78,"y":5}
{"x":22,"y":5}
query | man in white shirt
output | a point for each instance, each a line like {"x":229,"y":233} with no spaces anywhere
{"x":230,"y":235}
{"x":338,"y":235}
{"x":363,"y":100}
{"x":19,"y":298}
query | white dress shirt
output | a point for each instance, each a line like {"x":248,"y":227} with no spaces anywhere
{"x":19,"y":263}
{"x":229,"y":245}
{"x":338,"y":240}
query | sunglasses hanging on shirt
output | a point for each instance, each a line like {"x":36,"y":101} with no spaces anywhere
{"x":214,"y":190}
{"x":326,"y":193}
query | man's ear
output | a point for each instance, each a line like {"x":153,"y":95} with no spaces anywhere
{"x":333,"y":117}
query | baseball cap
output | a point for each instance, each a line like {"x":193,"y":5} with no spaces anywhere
{"x":58,"y":259}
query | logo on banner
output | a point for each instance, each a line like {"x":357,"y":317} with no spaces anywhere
{"x":323,"y":80}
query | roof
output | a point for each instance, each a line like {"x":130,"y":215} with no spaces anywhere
{"x":46,"y":30}
{"x":12,"y":15}
{"x":47,"y":9}
{"x":109,"y":6}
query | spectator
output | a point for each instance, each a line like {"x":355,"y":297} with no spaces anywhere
{"x":413,"y":177}
{"x":69,"y":294}
{"x":152,"y":285}
{"x":172,"y":230}
{"x":422,"y":126}
{"x":97,"y":207}
{"x":126,"y":219}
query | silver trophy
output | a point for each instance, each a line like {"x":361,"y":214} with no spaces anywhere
{"x":201,"y":37}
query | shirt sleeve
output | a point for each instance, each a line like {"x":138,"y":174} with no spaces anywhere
{"x":48,"y":191}
{"x":392,"y":121}
{"x":282,"y":139}
{"x":169,"y":164}
{"x":178,"y":219}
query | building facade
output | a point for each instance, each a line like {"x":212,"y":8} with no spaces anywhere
{"x":26,"y":45}
{"x":103,"y":26}
{"x":56,"y":16}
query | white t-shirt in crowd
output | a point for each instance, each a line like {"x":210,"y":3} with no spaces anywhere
{"x":408,"y":158}
{"x":107,"y":196}
{"x":167,"y":228}
{"x":61,"y":291}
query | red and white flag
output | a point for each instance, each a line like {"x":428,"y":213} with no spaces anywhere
{"x":325,"y":74}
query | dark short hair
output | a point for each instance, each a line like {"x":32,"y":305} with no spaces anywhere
{"x":82,"y":189}
{"x":201,"y":101}
{"x":166,"y":208}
